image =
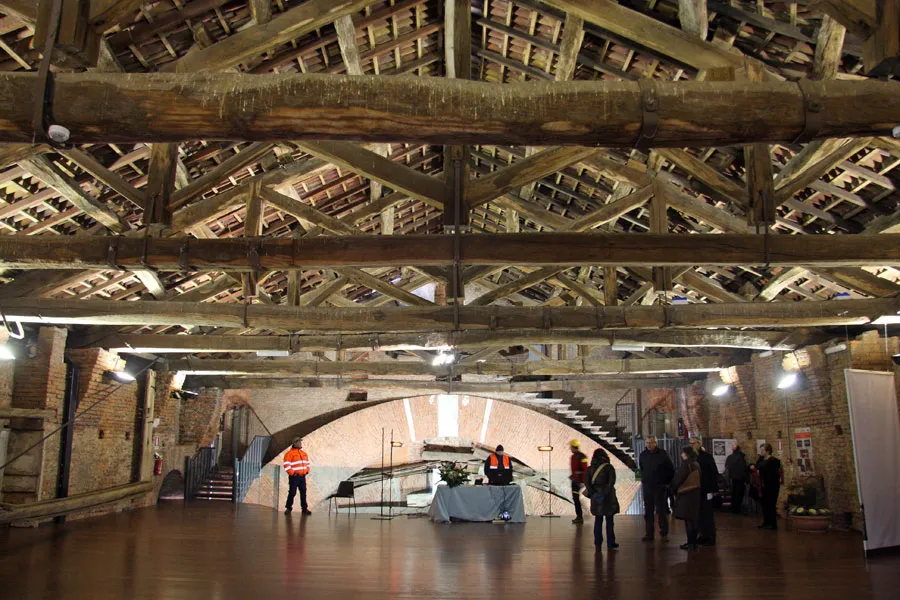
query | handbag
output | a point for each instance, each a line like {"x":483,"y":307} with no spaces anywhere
{"x":584,"y":492}
{"x":691,"y":483}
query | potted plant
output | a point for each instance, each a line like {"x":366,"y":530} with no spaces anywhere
{"x":806,"y":511}
{"x":453,"y":473}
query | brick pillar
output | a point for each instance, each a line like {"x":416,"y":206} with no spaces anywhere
{"x":39,"y":383}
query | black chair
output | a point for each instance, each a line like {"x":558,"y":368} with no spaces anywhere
{"x":345,"y":490}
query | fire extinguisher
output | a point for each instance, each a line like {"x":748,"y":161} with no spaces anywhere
{"x":157,"y":465}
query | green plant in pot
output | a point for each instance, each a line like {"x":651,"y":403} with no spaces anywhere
{"x":806,"y":507}
{"x":453,"y":473}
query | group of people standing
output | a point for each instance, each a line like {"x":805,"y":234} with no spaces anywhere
{"x":692,"y":489}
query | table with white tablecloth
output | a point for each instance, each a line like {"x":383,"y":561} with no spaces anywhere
{"x":477,"y":503}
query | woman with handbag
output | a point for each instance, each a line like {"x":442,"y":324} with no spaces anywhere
{"x":686,"y":487}
{"x":600,"y":487}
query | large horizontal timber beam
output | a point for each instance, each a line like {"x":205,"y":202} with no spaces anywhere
{"x":463,"y":340}
{"x":444,"y":318}
{"x":538,"y":249}
{"x":506,"y":368}
{"x":189,"y":106}
{"x":582,"y":384}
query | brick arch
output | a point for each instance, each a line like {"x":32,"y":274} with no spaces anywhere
{"x":340,"y":447}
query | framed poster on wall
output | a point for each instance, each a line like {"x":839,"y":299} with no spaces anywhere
{"x":804,"y":450}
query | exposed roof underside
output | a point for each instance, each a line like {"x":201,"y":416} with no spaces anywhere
{"x":511,"y":42}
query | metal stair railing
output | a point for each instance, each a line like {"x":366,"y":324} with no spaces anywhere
{"x":248,"y":467}
{"x":198,"y":467}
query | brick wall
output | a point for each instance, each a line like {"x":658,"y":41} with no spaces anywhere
{"x":199,"y":420}
{"x":758,"y":410}
{"x":103,"y":449}
{"x":39,"y":382}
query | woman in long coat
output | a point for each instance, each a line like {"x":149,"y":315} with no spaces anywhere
{"x":600,"y":487}
{"x":686,"y":487}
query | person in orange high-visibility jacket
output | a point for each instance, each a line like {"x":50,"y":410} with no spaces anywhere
{"x":296,"y":465}
{"x":498,"y":467}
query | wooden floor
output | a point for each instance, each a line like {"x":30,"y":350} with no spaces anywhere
{"x":212,"y":550}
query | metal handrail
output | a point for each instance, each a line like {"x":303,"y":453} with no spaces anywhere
{"x":198,"y":467}
{"x":248,"y":467}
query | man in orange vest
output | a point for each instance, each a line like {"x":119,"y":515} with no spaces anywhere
{"x":498,"y":467}
{"x":296,"y":465}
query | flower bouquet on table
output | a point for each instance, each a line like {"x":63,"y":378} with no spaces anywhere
{"x":453,"y":473}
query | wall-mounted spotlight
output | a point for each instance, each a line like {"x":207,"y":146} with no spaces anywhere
{"x":444,"y":357}
{"x":6,"y":352}
{"x":790,"y":380}
{"x":721,"y":390}
{"x":118,"y":376}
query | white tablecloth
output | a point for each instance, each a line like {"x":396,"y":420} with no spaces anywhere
{"x":477,"y":503}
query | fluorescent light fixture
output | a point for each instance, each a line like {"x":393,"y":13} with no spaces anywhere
{"x":443,"y":358}
{"x":272,"y":353}
{"x":6,"y":352}
{"x":721,"y":390}
{"x":887,"y":320}
{"x":836,"y":348}
{"x":788,"y":380}
{"x":627,"y":347}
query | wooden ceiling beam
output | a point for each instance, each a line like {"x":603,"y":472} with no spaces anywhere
{"x":174,"y":107}
{"x":41,"y":168}
{"x":257,"y":40}
{"x":372,"y":165}
{"x":555,"y":249}
{"x":463,"y":340}
{"x":540,"y":249}
{"x":228,"y":167}
{"x":518,"y":387}
{"x":505,"y":368}
{"x":524,"y":171}
{"x":292,"y":318}
{"x":105,"y":176}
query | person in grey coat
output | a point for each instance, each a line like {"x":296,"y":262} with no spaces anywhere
{"x":600,"y":487}
{"x":688,"y":493}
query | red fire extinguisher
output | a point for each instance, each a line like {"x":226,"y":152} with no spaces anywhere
{"x":157,"y":465}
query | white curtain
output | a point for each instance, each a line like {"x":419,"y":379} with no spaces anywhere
{"x":876,"y":446}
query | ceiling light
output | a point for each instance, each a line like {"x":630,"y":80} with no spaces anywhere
{"x":887,"y":320}
{"x":721,"y":390}
{"x":272,"y":353}
{"x":836,"y":348}
{"x":627,"y":347}
{"x":788,"y":380}
{"x":6,"y":352}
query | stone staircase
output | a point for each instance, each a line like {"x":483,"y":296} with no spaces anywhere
{"x":581,"y":415}
{"x":218,"y":486}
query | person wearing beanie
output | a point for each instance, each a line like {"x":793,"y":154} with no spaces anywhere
{"x":498,"y":467}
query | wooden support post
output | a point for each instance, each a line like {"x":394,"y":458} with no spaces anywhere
{"x":659,"y":223}
{"x":160,"y":185}
{"x":75,"y":39}
{"x":610,"y":286}
{"x":881,"y":52}
{"x":760,"y":184}
{"x":252,"y":229}
{"x":147,"y":416}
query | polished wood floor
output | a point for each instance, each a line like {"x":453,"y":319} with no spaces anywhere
{"x":211,"y":550}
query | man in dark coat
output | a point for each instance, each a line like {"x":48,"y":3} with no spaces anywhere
{"x":656,"y":474}
{"x":579,"y":466}
{"x":770,"y":475}
{"x":709,"y":486}
{"x":736,"y":468}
